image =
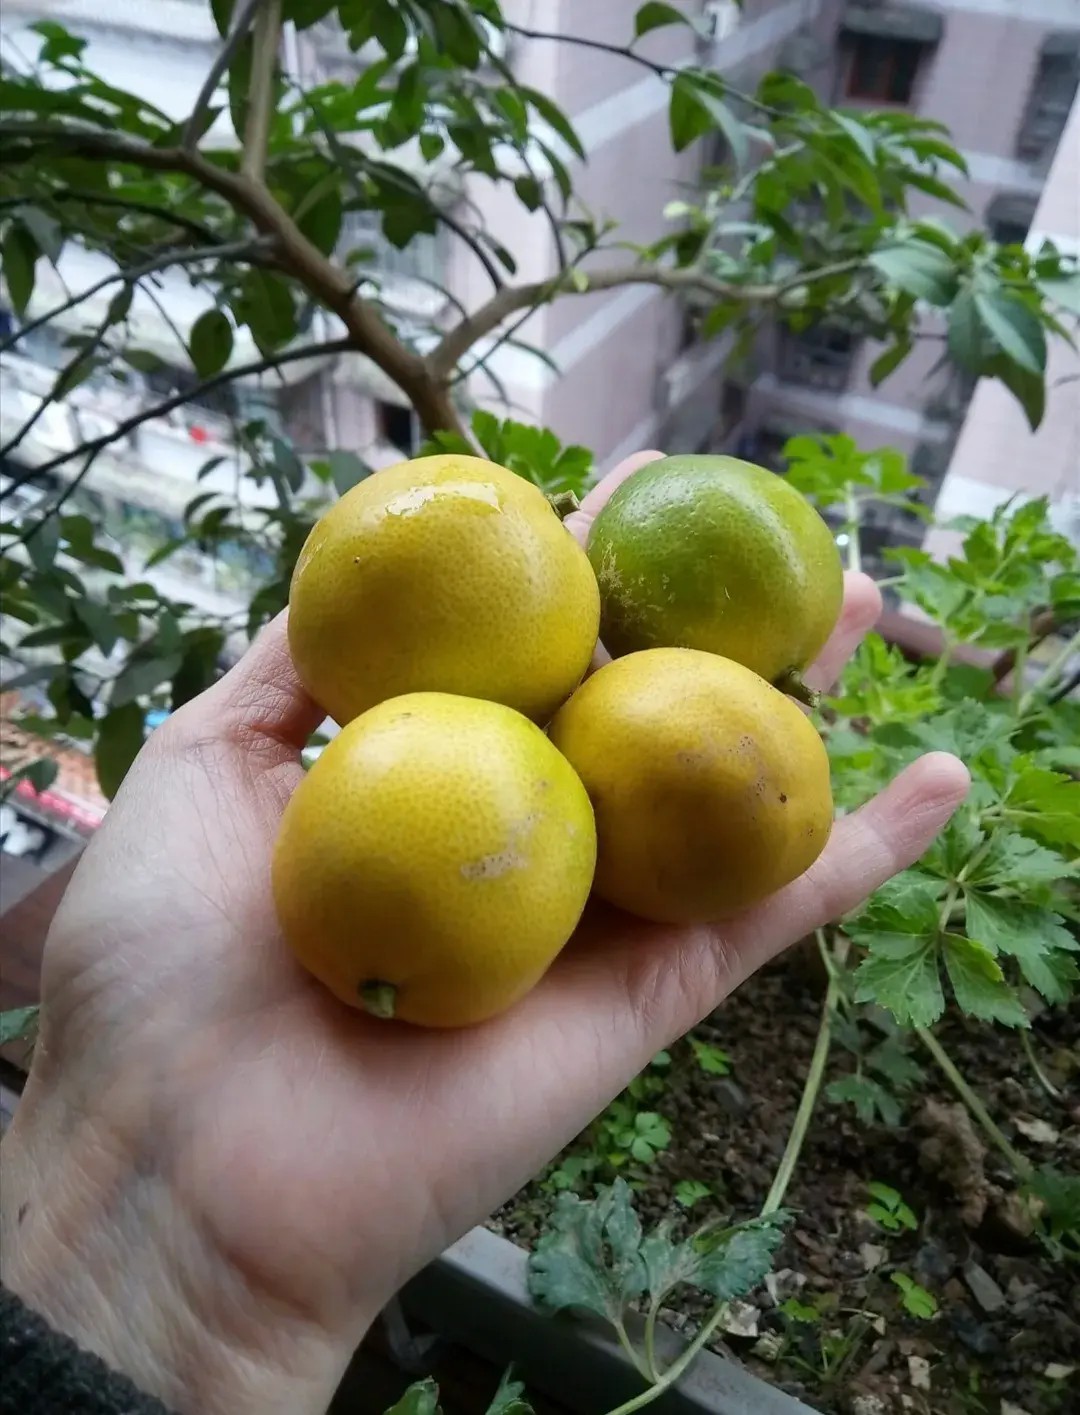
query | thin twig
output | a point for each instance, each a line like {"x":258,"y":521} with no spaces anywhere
{"x":236,"y":251}
{"x":176,"y":400}
{"x":266,"y":38}
{"x":1020,"y":1165}
{"x":139,"y":208}
{"x":192,"y":133}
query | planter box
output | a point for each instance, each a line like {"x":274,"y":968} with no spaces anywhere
{"x":476,"y":1295}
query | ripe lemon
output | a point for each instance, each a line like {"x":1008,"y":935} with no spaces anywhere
{"x":713,"y":553}
{"x":447,"y":574}
{"x":711,"y":788}
{"x":434,"y":860}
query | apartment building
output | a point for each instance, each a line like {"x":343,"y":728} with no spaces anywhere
{"x":1002,"y":74}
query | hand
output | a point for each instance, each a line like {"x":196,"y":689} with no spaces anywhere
{"x":219,"y":1174}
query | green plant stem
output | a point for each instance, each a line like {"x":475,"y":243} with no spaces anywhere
{"x":643,"y":1368}
{"x":677,"y":1368}
{"x":940,"y":668}
{"x":811,"y":1089}
{"x":266,"y":37}
{"x":1050,"y":673}
{"x":1020,"y":1165}
{"x":1019,"y":669}
{"x":1033,"y":1061}
{"x":654,"y":1372}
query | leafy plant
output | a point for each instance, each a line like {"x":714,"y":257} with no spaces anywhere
{"x":889,"y":1209}
{"x":807,"y":221}
{"x":689,"y":1192}
{"x":625,"y":1136}
{"x":711,"y":1059}
{"x":595,"y":1257}
{"x":916,"y":1301}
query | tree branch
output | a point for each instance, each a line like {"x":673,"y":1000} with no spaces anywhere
{"x":140,"y":208}
{"x":511,"y":298}
{"x":177,"y":400}
{"x":234,"y":251}
{"x":192,"y":133}
{"x":329,"y":283}
{"x":266,"y":38}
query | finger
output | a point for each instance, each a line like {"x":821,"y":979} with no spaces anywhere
{"x":885,"y":836}
{"x":579,"y":522}
{"x":261,"y":697}
{"x":861,"y":611}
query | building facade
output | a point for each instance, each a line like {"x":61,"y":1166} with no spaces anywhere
{"x":1001,"y":73}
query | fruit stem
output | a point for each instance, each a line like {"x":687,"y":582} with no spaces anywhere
{"x":793,"y":684}
{"x":563,"y":503}
{"x":378,"y":998}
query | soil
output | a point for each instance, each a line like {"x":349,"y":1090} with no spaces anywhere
{"x":1006,"y":1338}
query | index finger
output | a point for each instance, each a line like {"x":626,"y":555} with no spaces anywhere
{"x":578,"y":522}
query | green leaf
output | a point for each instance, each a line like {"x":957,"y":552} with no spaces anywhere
{"x":890,"y":360}
{"x":695,"y":109}
{"x":420,"y":1399}
{"x":346,"y":469}
{"x":965,"y":337}
{"x":18,"y":264}
{"x":1036,"y":937}
{"x":1047,"y":804}
{"x":688,"y":1192}
{"x":729,"y":1264}
{"x":321,"y":222}
{"x":17,"y":1023}
{"x":589,"y":1256}
{"x":304,"y":13}
{"x":211,"y":343}
{"x":265,"y":304}
{"x":869,"y":1097}
{"x":903,"y":977}
{"x":119,"y":740}
{"x":222,"y":13}
{"x":1014,"y":329}
{"x":979,"y":984}
{"x":509,"y":1399}
{"x":712,"y":1060}
{"x":141,"y":675}
{"x":555,"y":118}
{"x":42,"y":545}
{"x":917,"y":268}
{"x":655,"y":15}
{"x":917,"y":1301}
{"x":1029,"y":389}
{"x":1013,"y":861}
{"x":100,"y":622}
{"x":529,"y":191}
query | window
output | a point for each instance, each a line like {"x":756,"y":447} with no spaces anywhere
{"x":883,"y":68}
{"x":818,"y":357}
{"x":1052,"y":92}
{"x":399,"y":427}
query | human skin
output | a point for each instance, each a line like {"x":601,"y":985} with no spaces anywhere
{"x":219,"y":1174}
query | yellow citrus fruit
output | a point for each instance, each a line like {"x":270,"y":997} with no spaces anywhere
{"x":434,"y":860}
{"x":712,"y":553}
{"x":446,"y":574}
{"x":711,"y":788}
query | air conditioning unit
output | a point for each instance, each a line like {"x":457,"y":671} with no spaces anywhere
{"x":719,"y":19}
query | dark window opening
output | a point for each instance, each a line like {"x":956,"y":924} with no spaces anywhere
{"x":818,"y":357}
{"x":882,"y":68}
{"x":1052,"y":92}
{"x":398,"y":426}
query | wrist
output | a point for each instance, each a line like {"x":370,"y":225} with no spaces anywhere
{"x":110,"y":1256}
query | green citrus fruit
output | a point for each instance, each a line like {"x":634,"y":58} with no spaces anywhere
{"x":711,"y":788}
{"x":434,"y":860}
{"x":716,"y":554}
{"x":447,"y":574}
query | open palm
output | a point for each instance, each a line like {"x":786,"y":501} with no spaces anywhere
{"x":283,"y":1163}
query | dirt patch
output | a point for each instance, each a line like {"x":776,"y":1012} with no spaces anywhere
{"x":1008,"y":1325}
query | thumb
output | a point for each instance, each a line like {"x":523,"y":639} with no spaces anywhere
{"x":261,"y":698}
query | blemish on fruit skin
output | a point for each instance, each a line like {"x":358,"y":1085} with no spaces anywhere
{"x":494,"y":866}
{"x":783,"y":799}
{"x":408,"y":503}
